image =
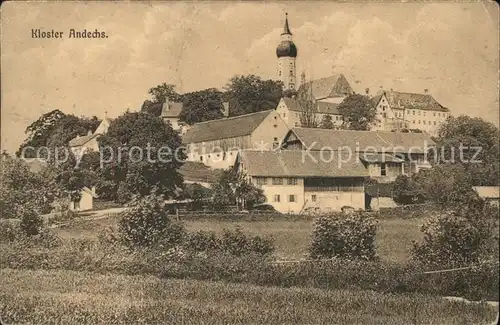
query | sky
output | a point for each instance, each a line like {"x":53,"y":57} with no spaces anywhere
{"x":451,"y":49}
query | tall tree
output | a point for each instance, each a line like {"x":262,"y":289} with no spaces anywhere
{"x":233,"y":187}
{"x":159,"y":94}
{"x":141,"y":153}
{"x":200,"y":106}
{"x":55,"y":129}
{"x":358,"y":112}
{"x":249,"y":94}
{"x":473,"y":143}
{"x":327,"y":122}
{"x":307,"y":102}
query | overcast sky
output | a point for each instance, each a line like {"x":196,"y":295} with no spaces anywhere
{"x":451,"y":49}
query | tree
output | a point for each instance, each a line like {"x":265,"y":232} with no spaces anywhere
{"x":198,"y":194}
{"x":21,"y":189}
{"x":54,"y":129}
{"x":163,"y":91}
{"x":233,"y":187}
{"x":141,"y":152}
{"x":358,"y":112}
{"x":308,"y":117}
{"x":200,"y":106}
{"x":159,"y":95}
{"x":327,"y":122}
{"x":405,"y":191}
{"x":249,"y":94}
{"x":472,"y":143}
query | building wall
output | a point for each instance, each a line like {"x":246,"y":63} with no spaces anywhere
{"x":292,"y":118}
{"x":103,"y":127}
{"x":86,"y":202}
{"x":91,"y":145}
{"x":334,"y":201}
{"x":270,"y":132}
{"x":284,"y":191}
{"x":287,"y":72}
{"x":393,"y":170}
{"x":425,"y":120}
{"x":174,"y":122}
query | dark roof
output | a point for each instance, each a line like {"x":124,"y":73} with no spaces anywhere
{"x":286,"y":49}
{"x":81,"y":140}
{"x":333,"y":86}
{"x":322,"y":107}
{"x":400,"y":100}
{"x":292,"y":163}
{"x":286,"y":29}
{"x":170,"y":109}
{"x":317,"y":139}
{"x":376,"y":99}
{"x":372,"y":157}
{"x":198,"y":172}
{"x":225,"y":128}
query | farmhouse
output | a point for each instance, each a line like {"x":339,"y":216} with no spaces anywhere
{"x":216,"y":143}
{"x":384,"y":154}
{"x":290,"y":111}
{"x":293,"y":181}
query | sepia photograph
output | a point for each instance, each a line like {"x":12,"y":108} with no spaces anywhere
{"x":258,"y":162}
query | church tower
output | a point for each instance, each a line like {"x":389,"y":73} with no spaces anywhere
{"x":287,"y":53}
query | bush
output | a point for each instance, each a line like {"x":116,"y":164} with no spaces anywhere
{"x":451,"y":239}
{"x":31,"y":223}
{"x":405,"y":191}
{"x":346,"y":236}
{"x":146,"y":223}
{"x":201,"y":241}
{"x":237,"y":243}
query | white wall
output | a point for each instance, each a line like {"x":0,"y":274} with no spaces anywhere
{"x":284,"y":191}
{"x":334,"y":201}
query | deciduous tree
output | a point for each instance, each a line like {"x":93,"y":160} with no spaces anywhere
{"x":358,"y":112}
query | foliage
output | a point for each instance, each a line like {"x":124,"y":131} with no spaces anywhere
{"x":473,"y":143}
{"x":201,"y":241}
{"x":54,"y":129}
{"x":290,"y":93}
{"x":20,"y":186}
{"x":233,"y":187}
{"x":198,"y":194}
{"x":358,"y":112}
{"x":351,"y":237}
{"x":31,"y":222}
{"x":405,"y":191}
{"x":142,"y":152}
{"x":237,"y":243}
{"x":308,"y":115}
{"x":327,"y":122}
{"x":200,"y":106}
{"x":249,"y":94}
{"x":146,"y":223}
{"x":446,"y":185}
{"x":458,"y":237}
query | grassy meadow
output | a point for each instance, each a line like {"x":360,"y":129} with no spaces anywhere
{"x":69,"y":297}
{"x":291,"y":237}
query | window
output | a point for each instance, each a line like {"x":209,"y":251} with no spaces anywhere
{"x":201,"y":158}
{"x":407,"y":111}
{"x":291,"y":181}
{"x":434,"y":122}
{"x":276,"y":198}
{"x":313,"y":197}
{"x":419,"y":112}
{"x":434,"y":114}
{"x":424,"y":113}
{"x":413,"y":112}
{"x":419,"y":122}
{"x":261,"y":180}
{"x":423,"y":122}
{"x":384,"y":115}
{"x":277,"y":181}
{"x":279,"y":73}
{"x":284,"y":114}
{"x":291,"y":198}
{"x":77,"y":205}
{"x":413,"y":121}
{"x":383,"y":170}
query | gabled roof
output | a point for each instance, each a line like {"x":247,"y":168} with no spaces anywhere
{"x":376,"y":99}
{"x":170,"y":109}
{"x":198,"y":172}
{"x":333,"y":86}
{"x":322,"y":107}
{"x":231,"y":127}
{"x":403,"y":100}
{"x":361,"y":141}
{"x":80,"y":141}
{"x":292,"y":163}
{"x":89,"y":191}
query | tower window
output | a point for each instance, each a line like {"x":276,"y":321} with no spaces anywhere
{"x":279,"y":73}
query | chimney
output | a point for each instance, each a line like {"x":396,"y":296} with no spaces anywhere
{"x":367,"y":91}
{"x":89,"y":133}
{"x":226,"y":109}
{"x":426,"y":91}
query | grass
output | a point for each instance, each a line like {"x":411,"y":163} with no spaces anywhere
{"x":68,"y":297}
{"x":291,"y":237}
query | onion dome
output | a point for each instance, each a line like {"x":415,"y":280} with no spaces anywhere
{"x":286,"y":49}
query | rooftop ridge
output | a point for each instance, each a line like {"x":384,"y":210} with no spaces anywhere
{"x":234,"y":117}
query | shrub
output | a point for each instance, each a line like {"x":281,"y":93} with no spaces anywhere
{"x":31,"y":223}
{"x":10,"y":231}
{"x":237,"y":243}
{"x":405,"y":191}
{"x":146,"y":223}
{"x":347,"y":236}
{"x":451,"y":239}
{"x":201,"y":241}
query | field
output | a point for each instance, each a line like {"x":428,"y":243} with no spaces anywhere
{"x":291,"y":237}
{"x":68,"y":297}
